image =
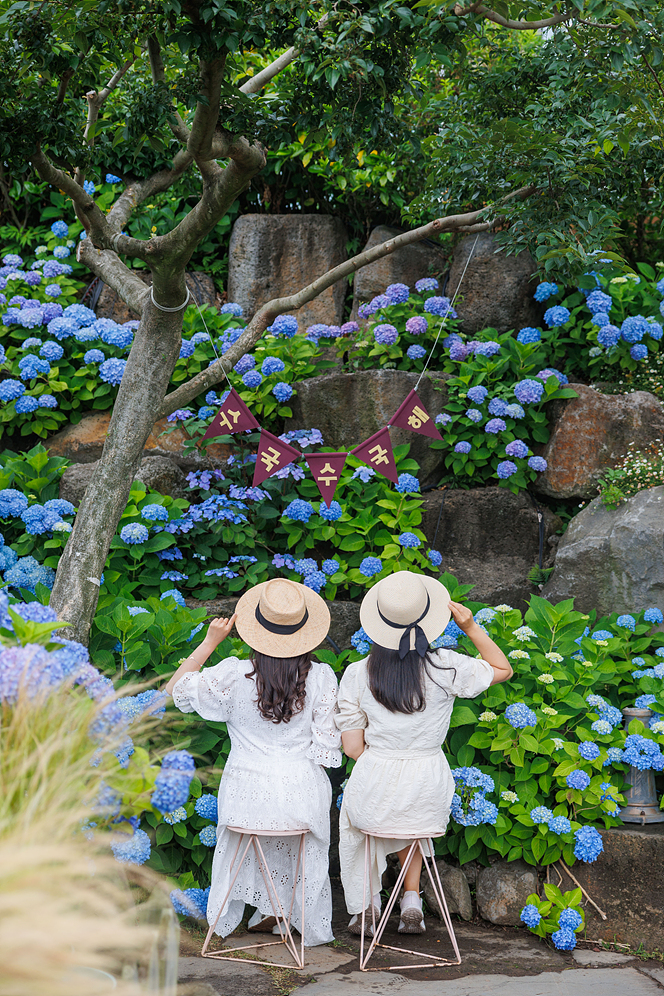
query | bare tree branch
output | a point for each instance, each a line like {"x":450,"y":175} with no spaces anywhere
{"x":507,"y":22}
{"x":262,"y":78}
{"x":264,"y":316}
{"x":96,"y":98}
{"x":140,"y":190}
{"x":206,"y":115}
{"x":109,"y":267}
{"x":64,"y":83}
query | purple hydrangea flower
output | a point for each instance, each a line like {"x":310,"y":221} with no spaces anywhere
{"x":397,"y":293}
{"x":416,"y":352}
{"x":544,"y":375}
{"x":538,"y":464}
{"x":495,"y":425}
{"x":474,"y":414}
{"x":477,"y":394}
{"x":417,"y":325}
{"x":385,"y":335}
{"x":517,"y":448}
{"x":463,"y":447}
{"x":440,"y":306}
{"x":505,"y":469}
{"x":528,"y":391}
{"x":429,"y":284}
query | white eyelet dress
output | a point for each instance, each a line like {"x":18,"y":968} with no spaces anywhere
{"x":402,"y":783}
{"x":273,"y":780}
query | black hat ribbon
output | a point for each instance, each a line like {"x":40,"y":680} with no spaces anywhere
{"x":421,"y":641}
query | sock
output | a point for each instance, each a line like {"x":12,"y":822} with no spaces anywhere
{"x":376,"y":900}
{"x":411,"y":900}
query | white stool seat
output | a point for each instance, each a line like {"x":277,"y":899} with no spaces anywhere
{"x":378,"y":928}
{"x":283,"y":920}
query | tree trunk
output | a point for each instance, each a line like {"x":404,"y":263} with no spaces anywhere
{"x":153,"y":355}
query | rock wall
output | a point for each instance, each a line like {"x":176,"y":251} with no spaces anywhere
{"x":272,"y":255}
{"x":404,"y":266}
{"x":613,"y":560}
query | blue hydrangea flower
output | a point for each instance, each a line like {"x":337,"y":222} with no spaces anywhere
{"x":570,"y":919}
{"x":602,"y":727}
{"x":60,"y":229}
{"x":385,"y":335}
{"x":528,"y":391}
{"x":477,"y":394}
{"x":639,"y":351}
{"x":529,"y":335}
{"x":397,"y":293}
{"x":634,"y":328}
{"x":371,"y":566}
{"x":430,"y":283}
{"x":589,"y":845}
{"x":111,"y":371}
{"x":517,"y":448}
{"x":117,"y":336}
{"x":559,"y":825}
{"x":544,"y":375}
{"x":653,"y":615}
{"x":600,"y":319}
{"x":284,"y":325}
{"x":435,"y":557}
{"x":540,"y":814}
{"x":416,"y":352}
{"x":12,"y":502}
{"x":518,"y":715}
{"x":495,"y":425}
{"x":474,"y":414}
{"x":489,"y":348}
{"x":441,"y":306}
{"x":608,"y":336}
{"x":47,"y":401}
{"x":244,"y":364}
{"x":31,"y":366}
{"x":537,"y":463}
{"x":131,"y":850}
{"x":51,"y":351}
{"x":443,"y":419}
{"x":53,"y":290}
{"x":578,"y":779}
{"x":208,"y":836}
{"x":154,"y":513}
{"x":315,"y":580}
{"x":597,"y":300}
{"x":282,"y":391}
{"x":171,"y":785}
{"x":299,"y":510}
{"x":272,"y":364}
{"x":134,"y":532}
{"x":564,"y":940}
{"x":556,"y":316}
{"x":626,"y":622}
{"x":330,"y":567}
{"x":332,"y":513}
{"x":407,"y":484}
{"x":497,"y":406}
{"x":417,"y":325}
{"x":515,"y":411}
{"x":11,"y":389}
{"x":655,"y":331}
{"x":187,"y":349}
{"x":644,"y":701}
{"x":206,"y":807}
{"x":506,"y":469}
{"x":531,"y":916}
{"x":231,"y":308}
{"x":409,"y":540}
{"x":26,"y":572}
{"x":588,"y":750}
{"x":544,"y":291}
{"x":462,"y":447}
{"x":25,"y":405}
{"x":252,"y":379}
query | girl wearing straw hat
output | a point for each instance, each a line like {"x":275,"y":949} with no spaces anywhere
{"x":279,"y":708}
{"x":394,"y":713}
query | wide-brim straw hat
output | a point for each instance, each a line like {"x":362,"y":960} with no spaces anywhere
{"x":402,"y":603}
{"x":282,"y":618}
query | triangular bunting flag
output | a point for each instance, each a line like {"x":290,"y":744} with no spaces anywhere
{"x":233,"y":416}
{"x":376,"y":451}
{"x":326,"y":469}
{"x":411,"y":414}
{"x":273,"y":454}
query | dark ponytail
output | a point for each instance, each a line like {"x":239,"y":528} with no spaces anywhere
{"x":280,"y":684}
{"x":396,"y":683}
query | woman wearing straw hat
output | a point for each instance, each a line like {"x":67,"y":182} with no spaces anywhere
{"x":394,"y":713}
{"x":279,"y":707}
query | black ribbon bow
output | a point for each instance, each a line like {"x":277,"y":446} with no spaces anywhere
{"x":421,"y":642}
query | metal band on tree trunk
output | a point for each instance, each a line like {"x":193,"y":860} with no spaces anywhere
{"x":162,"y":308}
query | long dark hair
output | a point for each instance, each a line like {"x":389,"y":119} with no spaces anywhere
{"x":399,"y":684}
{"x":281,"y":685}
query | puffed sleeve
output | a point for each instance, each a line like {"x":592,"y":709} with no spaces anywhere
{"x":473,"y":674}
{"x":325,"y":746}
{"x":209,"y":692}
{"x":351,"y":716}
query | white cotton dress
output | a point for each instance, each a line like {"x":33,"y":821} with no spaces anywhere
{"x":273,"y":780}
{"x":401,"y":785}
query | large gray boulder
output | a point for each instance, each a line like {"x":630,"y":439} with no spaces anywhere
{"x":348,"y":408}
{"x":455,"y":889}
{"x":497,"y":289}
{"x":611,"y":560}
{"x":404,"y":266}
{"x":156,"y":472}
{"x":590,"y":433}
{"x":489,"y":537}
{"x":502,"y":890}
{"x":273,"y":255}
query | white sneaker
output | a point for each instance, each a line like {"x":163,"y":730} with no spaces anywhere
{"x":412,"y":917}
{"x":355,"y":925}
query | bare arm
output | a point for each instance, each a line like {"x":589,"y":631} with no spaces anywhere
{"x":490,"y":651}
{"x":353,"y":743}
{"x":217,"y":632}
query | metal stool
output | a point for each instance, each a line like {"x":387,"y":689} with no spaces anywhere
{"x":436,"y":885}
{"x":283,"y":922}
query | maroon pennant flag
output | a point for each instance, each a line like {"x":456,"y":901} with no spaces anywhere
{"x":273,"y":454}
{"x":233,"y":416}
{"x":411,"y":414}
{"x":376,"y":451}
{"x":326,"y":469}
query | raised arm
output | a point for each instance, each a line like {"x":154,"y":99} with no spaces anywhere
{"x":217,"y":632}
{"x":490,"y":651}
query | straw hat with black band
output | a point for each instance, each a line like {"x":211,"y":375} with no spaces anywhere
{"x":405,"y":611}
{"x":282,"y":618}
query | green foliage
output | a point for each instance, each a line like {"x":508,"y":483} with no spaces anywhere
{"x":637,"y":470}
